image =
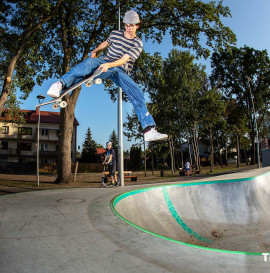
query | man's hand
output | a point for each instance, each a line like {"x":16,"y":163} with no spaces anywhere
{"x":104,"y":67}
{"x":93,"y":54}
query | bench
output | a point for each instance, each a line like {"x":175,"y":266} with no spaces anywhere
{"x":188,"y":173}
{"x":127,"y":174}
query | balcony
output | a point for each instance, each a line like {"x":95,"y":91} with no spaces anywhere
{"x":48,"y":154}
{"x":17,"y":152}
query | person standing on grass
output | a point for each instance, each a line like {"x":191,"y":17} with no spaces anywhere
{"x":110,"y":160}
{"x":187,"y":167}
{"x":124,"y":47}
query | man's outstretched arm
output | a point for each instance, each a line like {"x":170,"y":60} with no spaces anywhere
{"x":101,"y":47}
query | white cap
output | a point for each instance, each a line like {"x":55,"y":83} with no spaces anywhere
{"x":109,"y":143}
{"x":131,"y":17}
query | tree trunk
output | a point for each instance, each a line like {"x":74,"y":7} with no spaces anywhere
{"x":144,"y":158}
{"x":211,"y":150}
{"x":246,"y":159}
{"x":253,"y":150}
{"x":220,"y":156}
{"x":226,"y":156}
{"x":171,"y":153}
{"x":238,"y":150}
{"x":189,"y":153}
{"x":181,"y":155}
{"x":195,"y":147}
{"x":153,"y":171}
{"x":65,"y":137}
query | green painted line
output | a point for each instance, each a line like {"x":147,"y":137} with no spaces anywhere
{"x":130,"y":193}
{"x":179,"y":220}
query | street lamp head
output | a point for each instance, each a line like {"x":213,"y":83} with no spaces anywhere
{"x":41,"y":97}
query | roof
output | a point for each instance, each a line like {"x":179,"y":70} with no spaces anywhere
{"x":101,"y":151}
{"x":31,"y":116}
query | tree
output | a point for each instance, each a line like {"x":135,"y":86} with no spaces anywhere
{"x":212,"y":107}
{"x":237,"y":125}
{"x":114,"y":139}
{"x":89,"y":151}
{"x":136,"y":157}
{"x":234,"y":67}
{"x":100,"y":145}
{"x":81,"y":25}
{"x":174,"y":86}
{"x":175,"y":98}
{"x":22,"y":36}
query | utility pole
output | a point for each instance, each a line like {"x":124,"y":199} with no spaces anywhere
{"x":255,"y":121}
{"x":120,"y":123}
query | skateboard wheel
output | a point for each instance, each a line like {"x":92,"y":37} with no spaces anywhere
{"x":98,"y":81}
{"x":88,"y":84}
{"x":55,"y":106}
{"x":63,"y":104}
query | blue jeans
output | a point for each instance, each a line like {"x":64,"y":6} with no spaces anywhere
{"x":120,"y":78}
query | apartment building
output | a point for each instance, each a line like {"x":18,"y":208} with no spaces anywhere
{"x":18,"y":143}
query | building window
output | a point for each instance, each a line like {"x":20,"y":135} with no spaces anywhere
{"x":44,"y":132}
{"x":24,"y":146}
{"x":25,"y":131}
{"x":3,"y":159}
{"x":3,"y":145}
{"x":44,"y":160}
{"x":5,"y":129}
{"x":22,"y":160}
{"x":44,"y":147}
{"x":56,"y":148}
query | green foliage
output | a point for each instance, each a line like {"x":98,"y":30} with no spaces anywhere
{"x":114,"y":139}
{"x":100,"y":145}
{"x":174,"y":86}
{"x":136,"y":157}
{"x":79,"y":26}
{"x":175,"y":89}
{"x":22,"y":39}
{"x":233,"y":68}
{"x":89,"y":151}
{"x":212,"y":109}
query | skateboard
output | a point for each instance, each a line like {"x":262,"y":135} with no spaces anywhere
{"x":59,"y":102}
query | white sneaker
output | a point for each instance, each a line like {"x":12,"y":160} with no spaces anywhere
{"x":154,"y":135}
{"x":55,"y":90}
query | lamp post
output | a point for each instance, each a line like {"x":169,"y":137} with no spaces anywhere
{"x":120,"y":122}
{"x":40,"y":100}
{"x":255,"y":121}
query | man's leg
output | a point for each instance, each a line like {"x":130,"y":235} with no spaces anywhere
{"x":81,"y":70}
{"x":77,"y":73}
{"x":135,"y":95}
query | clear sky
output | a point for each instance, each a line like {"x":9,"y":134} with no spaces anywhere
{"x":250,"y":22}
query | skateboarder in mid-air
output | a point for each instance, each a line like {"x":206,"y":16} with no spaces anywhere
{"x":124,"y":47}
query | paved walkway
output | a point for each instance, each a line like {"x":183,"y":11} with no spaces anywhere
{"x":76,"y":231}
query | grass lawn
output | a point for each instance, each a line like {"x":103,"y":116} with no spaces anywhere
{"x":29,"y":182}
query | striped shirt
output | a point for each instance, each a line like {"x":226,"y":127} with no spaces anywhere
{"x":120,"y":45}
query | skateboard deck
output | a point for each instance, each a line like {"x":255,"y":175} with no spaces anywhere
{"x":58,"y":102}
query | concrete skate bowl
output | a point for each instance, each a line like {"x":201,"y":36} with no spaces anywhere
{"x":231,"y":216}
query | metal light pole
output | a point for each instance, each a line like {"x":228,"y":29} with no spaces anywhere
{"x":40,"y":100}
{"x":120,"y":123}
{"x":256,"y":127}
